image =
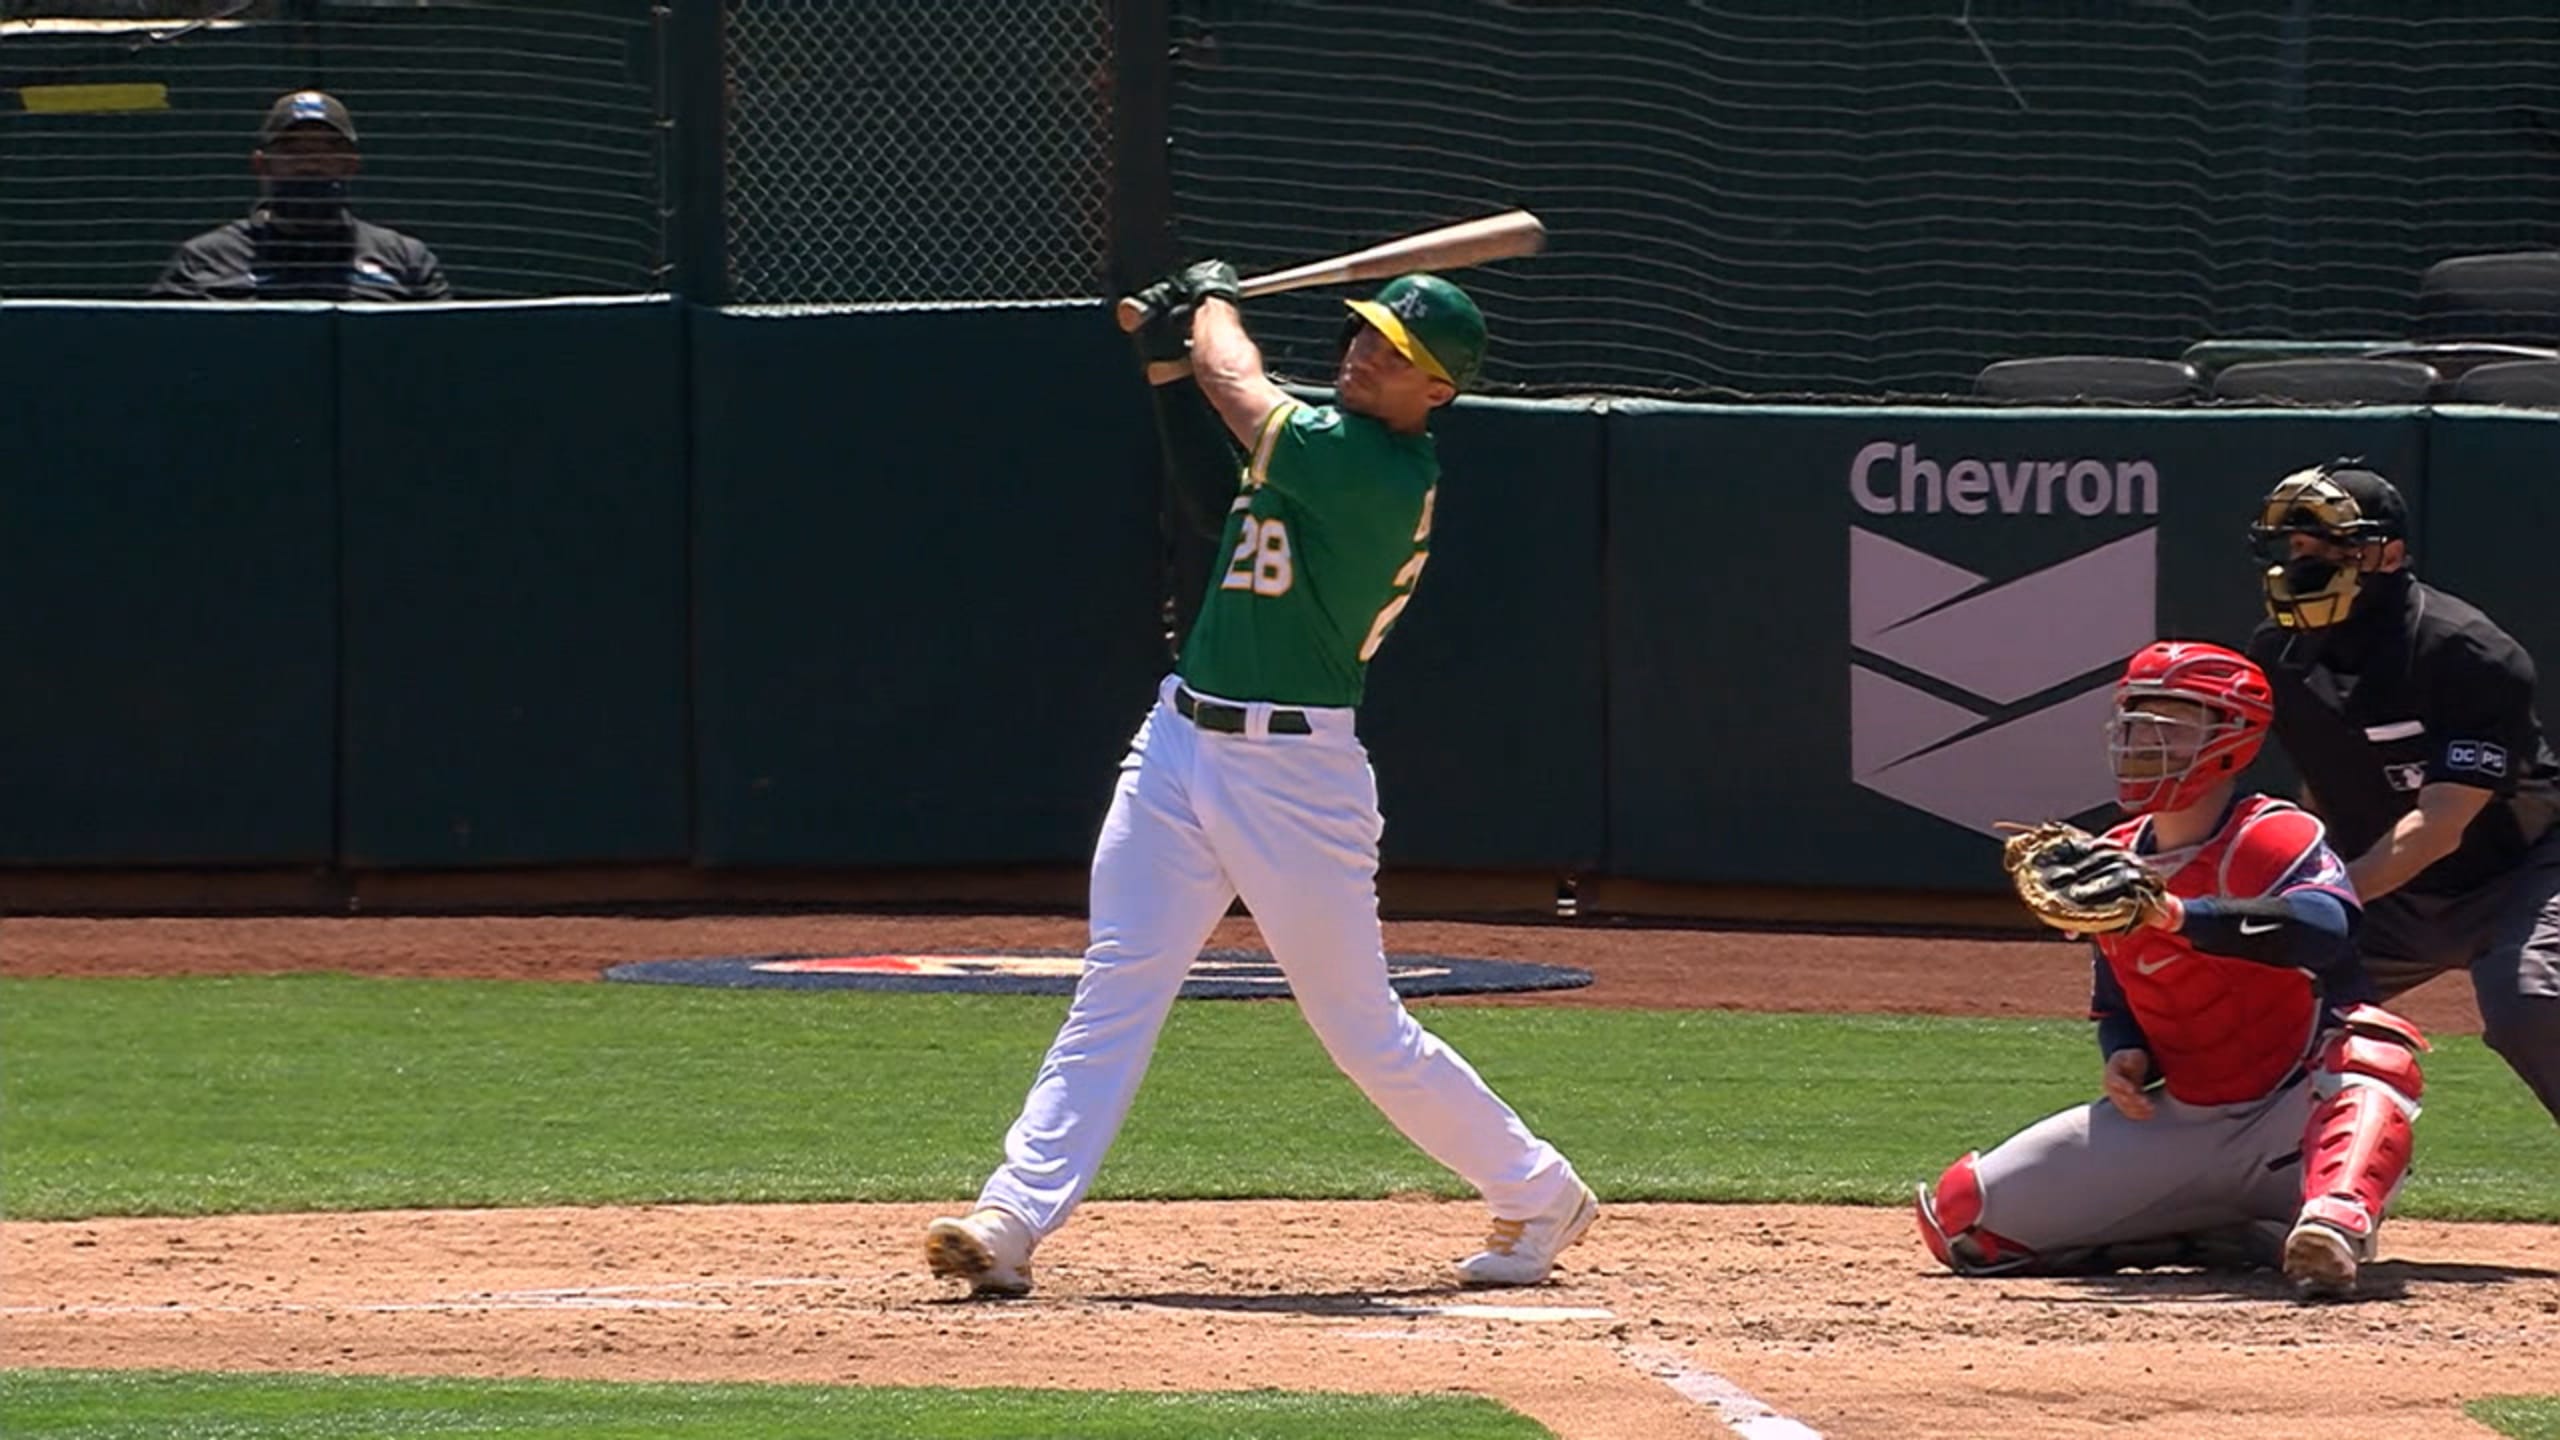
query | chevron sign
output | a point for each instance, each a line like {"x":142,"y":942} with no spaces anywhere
{"x":1979,"y":700}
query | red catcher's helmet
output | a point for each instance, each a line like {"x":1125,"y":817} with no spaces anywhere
{"x":2165,"y":760}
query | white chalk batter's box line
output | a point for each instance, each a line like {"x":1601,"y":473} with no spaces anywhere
{"x":1742,"y":1412}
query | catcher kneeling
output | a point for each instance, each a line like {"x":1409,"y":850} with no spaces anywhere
{"x":2257,"y":1109}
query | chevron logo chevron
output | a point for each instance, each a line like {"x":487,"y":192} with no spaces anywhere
{"x":1985,"y":739}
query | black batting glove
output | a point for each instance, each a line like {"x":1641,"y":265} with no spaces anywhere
{"x":1210,"y":279}
{"x":1159,"y":297}
{"x":1167,"y":333}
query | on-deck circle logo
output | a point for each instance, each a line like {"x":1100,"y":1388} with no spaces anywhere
{"x":1213,"y":975}
{"x":1241,"y":970}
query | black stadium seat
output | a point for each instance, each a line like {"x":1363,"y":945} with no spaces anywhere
{"x":2453,"y":359}
{"x":2513,"y":297}
{"x":2331,"y":381}
{"x":2064,"y":378}
{"x":2211,"y":357}
{"x":2514,"y":382}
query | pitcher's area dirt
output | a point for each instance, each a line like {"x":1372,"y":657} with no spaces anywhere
{"x":1829,"y":1316}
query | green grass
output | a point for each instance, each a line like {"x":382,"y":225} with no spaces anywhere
{"x":151,"y":1405}
{"x":2524,"y":1417}
{"x":202,"y":1096}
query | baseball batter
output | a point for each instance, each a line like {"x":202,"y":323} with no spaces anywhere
{"x":1248,"y":778}
{"x":2249,"y":1091}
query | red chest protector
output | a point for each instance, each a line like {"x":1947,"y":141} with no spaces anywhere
{"x":2225,"y":1031}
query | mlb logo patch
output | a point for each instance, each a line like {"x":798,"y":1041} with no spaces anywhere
{"x":2405,"y":778}
{"x":2477,"y":755}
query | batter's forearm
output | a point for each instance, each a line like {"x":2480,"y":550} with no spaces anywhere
{"x":1228,"y":366}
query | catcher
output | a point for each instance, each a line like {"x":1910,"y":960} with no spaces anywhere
{"x":2250,"y":1092}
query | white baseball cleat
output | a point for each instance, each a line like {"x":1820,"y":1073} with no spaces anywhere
{"x":989,"y":1248}
{"x":2320,"y":1259}
{"x":1523,"y":1252}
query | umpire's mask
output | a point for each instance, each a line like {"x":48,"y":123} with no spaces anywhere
{"x":2344,"y":508}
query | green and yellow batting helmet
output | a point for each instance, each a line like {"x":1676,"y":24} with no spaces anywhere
{"x":1431,"y":323}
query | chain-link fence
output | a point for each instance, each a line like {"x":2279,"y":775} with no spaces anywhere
{"x":883,"y":150}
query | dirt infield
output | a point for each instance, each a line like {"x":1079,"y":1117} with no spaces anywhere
{"x":1669,"y":1321}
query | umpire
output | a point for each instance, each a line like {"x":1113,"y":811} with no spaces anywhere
{"x":2410,"y":717}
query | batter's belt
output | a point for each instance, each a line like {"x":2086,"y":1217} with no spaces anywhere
{"x":1229,"y":719}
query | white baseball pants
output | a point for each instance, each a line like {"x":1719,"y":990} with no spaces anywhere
{"x":1291,"y":823}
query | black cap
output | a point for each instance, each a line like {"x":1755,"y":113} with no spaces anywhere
{"x":2377,"y":500}
{"x":306,"y":107}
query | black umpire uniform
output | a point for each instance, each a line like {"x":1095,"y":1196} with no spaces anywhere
{"x":2385,"y":686}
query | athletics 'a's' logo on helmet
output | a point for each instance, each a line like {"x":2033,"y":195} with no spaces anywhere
{"x":2345,"y":508}
{"x":1431,"y":323}
{"x":2188,"y":716}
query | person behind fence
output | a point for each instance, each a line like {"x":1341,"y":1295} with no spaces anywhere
{"x":302,"y":242}
{"x":2410,"y":716}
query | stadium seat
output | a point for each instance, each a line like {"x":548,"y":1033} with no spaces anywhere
{"x":2212,"y":357}
{"x":2512,"y":382}
{"x":2330,"y":381}
{"x":2453,"y":359}
{"x":2512,"y":297}
{"x":2090,"y":377}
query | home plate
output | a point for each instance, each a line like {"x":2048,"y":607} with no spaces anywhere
{"x":1530,"y":1314}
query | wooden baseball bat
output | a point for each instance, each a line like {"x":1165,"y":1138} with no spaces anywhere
{"x":1472,"y":242}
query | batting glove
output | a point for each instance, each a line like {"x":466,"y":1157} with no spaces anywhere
{"x":1210,"y":278}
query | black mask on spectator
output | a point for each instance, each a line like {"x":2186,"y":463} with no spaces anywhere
{"x":306,"y":202}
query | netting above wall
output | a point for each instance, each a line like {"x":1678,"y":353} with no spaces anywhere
{"x":884,"y":150}
{"x":519,"y":139}
{"x":1872,"y":198}
{"x":140,"y":9}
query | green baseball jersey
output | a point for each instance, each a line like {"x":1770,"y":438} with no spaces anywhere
{"x":1323,"y":546}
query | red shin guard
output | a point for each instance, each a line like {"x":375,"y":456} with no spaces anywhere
{"x":2355,"y":1148}
{"x":1950,"y":1225}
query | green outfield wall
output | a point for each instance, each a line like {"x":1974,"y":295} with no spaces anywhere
{"x":626,"y":583}
{"x":926,"y":575}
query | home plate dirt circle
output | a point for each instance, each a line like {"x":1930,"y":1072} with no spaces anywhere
{"x":1216,"y":975}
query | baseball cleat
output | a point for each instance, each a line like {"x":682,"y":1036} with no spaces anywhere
{"x":989,"y":1248}
{"x":1523,"y":1252}
{"x":2320,"y":1261}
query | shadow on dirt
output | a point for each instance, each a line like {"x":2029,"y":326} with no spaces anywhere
{"x":2381,"y":1280}
{"x":1378,"y":1304}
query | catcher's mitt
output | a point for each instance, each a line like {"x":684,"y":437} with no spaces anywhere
{"x":2076,"y":882}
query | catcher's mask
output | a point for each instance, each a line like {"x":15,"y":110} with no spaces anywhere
{"x":2339,"y":504}
{"x":2188,"y":716}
